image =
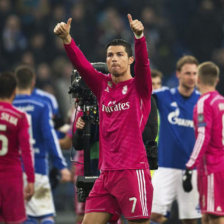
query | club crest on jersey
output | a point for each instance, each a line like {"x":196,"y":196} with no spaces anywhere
{"x":124,"y":90}
{"x":175,"y":119}
{"x":107,"y":89}
{"x":109,"y":83}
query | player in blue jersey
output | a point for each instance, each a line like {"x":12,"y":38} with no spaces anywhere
{"x":54,"y":109}
{"x":44,"y":139}
{"x":49,"y":99}
{"x":176,"y":141}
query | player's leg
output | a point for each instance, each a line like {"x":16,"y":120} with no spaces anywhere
{"x":164,"y":184}
{"x":101,"y":207}
{"x":39,"y":220}
{"x":214,"y":219}
{"x":188,"y":202}
{"x":96,"y":217}
{"x":205,"y":219}
{"x":12,"y":203}
{"x":215,"y":198}
{"x":41,"y":204}
{"x":133,"y":192}
{"x":31,"y":220}
{"x":47,"y":220}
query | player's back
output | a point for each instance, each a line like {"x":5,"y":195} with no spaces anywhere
{"x":34,"y":109}
{"x":217,"y":103}
{"x":176,"y":121}
{"x":11,"y":121}
{"x":48,"y":98}
{"x":213,"y":116}
{"x":43,"y":136}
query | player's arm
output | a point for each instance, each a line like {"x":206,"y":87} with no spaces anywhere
{"x":91,"y":76}
{"x":203,"y":134}
{"x":52,"y":143}
{"x":66,"y":142}
{"x":142,"y":65}
{"x":27,"y":156}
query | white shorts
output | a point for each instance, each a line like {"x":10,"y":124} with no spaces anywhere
{"x":41,"y":204}
{"x":167,"y":184}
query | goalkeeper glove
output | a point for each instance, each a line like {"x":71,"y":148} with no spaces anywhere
{"x":187,"y":185}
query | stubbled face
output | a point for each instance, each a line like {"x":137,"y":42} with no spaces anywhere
{"x":117,"y":60}
{"x":188,"y":76}
{"x":156,"y":83}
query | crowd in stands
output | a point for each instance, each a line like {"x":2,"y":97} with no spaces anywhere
{"x":172,"y":27}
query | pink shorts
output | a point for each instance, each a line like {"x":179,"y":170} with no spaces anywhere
{"x":12,"y":205}
{"x":211,"y":192}
{"x":127,"y":192}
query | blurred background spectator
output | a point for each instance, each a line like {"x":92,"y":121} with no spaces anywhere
{"x":172,"y":28}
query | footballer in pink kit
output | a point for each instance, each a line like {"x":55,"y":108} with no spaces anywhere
{"x":14,"y":144}
{"x":124,"y":186}
{"x":208,"y":152}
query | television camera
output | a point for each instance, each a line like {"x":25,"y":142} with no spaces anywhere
{"x":86,"y":100}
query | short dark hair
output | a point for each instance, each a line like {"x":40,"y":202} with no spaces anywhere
{"x":24,"y":75}
{"x":187,"y":59}
{"x":7,"y":84}
{"x":156,"y":73}
{"x":208,"y":73}
{"x":121,"y":42}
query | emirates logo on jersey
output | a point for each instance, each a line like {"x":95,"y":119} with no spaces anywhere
{"x":112,"y":106}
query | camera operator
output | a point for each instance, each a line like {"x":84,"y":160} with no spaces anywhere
{"x":78,"y":144}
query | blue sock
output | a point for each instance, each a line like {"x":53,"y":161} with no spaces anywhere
{"x":30,"y":221}
{"x":48,"y":220}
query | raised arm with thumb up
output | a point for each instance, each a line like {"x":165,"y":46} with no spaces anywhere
{"x":136,"y":26}
{"x":62,"y":30}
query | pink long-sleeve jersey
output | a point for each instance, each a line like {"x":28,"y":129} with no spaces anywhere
{"x":123,"y":109}
{"x":208,"y":152}
{"x":14,"y":143}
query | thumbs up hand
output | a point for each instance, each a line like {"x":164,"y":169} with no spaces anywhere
{"x":62,"y":30}
{"x":136,"y":26}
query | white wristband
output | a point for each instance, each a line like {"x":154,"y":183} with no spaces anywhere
{"x":139,"y":36}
